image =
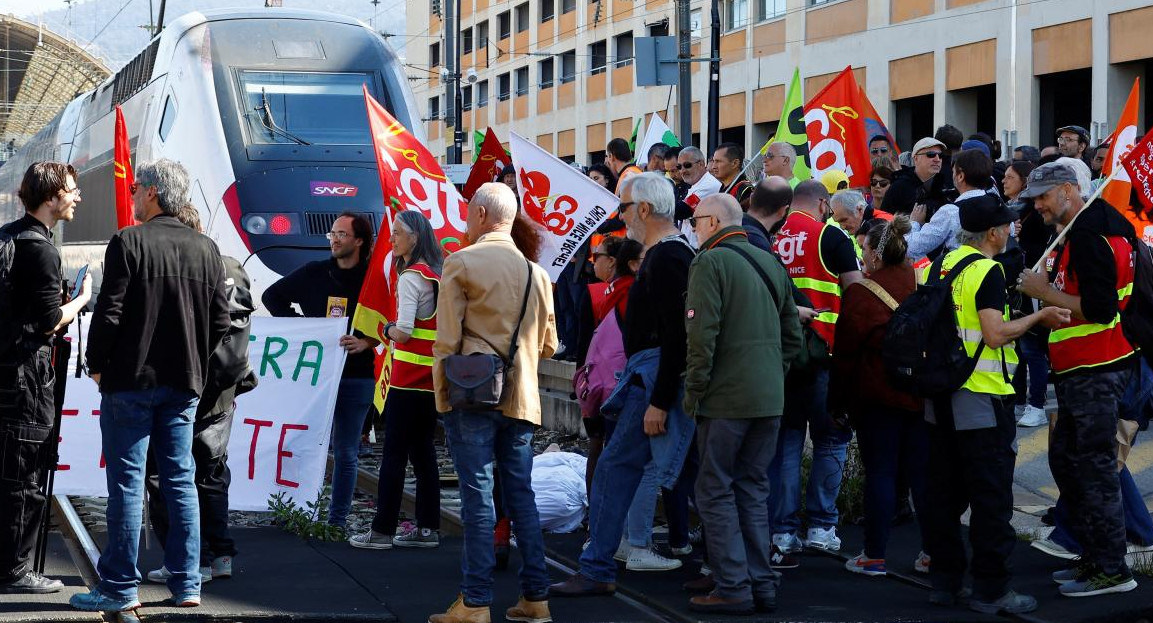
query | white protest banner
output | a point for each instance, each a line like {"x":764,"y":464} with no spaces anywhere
{"x":568,"y":204}
{"x":657,"y":132}
{"x":280,"y":430}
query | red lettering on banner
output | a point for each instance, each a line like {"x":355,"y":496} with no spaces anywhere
{"x":256,"y":425}
{"x":281,"y":453}
{"x":63,"y":467}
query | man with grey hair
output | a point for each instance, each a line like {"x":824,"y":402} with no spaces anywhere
{"x":491,"y":295}
{"x":779,"y":160}
{"x":848,"y":207}
{"x":161,"y":313}
{"x":743,"y":332}
{"x":651,"y":424}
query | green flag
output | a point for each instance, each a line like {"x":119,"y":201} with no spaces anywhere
{"x":791,"y":128}
{"x":633,"y":138}
{"x":477,"y":139}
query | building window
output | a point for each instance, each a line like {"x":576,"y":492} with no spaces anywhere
{"x":736,"y":14}
{"x":522,"y":81}
{"x":504,"y":25}
{"x":434,"y":108}
{"x":434,"y":55}
{"x":466,"y":98}
{"x":482,"y":94}
{"x":660,"y":29}
{"x":568,"y":66}
{"x":503,"y":87}
{"x":623,"y":44}
{"x":481,"y":36}
{"x":466,"y":41}
{"x":522,"y":18}
{"x":769,"y":9}
{"x":545,"y":68}
{"x":599,"y":56}
{"x":547,"y":10}
{"x":567,"y":6}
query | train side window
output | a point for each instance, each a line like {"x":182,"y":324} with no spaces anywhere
{"x":168,"y":118}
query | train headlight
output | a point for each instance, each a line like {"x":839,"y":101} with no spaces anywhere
{"x":272,"y":223}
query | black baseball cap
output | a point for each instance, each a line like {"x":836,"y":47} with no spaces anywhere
{"x":984,"y":213}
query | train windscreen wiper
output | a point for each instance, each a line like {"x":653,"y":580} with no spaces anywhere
{"x":267,"y":121}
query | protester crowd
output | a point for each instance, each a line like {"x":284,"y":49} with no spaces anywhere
{"x":719,"y":324}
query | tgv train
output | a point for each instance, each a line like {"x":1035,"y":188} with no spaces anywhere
{"x":265,"y":110}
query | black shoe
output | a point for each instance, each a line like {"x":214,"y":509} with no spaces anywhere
{"x":33,"y":583}
{"x":781,"y":560}
{"x":765,"y":604}
{"x":579,"y":586}
{"x":1047,"y":518}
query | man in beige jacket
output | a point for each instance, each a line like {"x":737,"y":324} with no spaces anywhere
{"x":479,"y":305}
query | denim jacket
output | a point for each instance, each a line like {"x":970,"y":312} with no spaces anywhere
{"x":630,"y":399}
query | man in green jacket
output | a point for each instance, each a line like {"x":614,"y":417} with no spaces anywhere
{"x":743,"y":331}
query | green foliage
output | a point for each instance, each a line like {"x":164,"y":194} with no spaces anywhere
{"x":307,"y":523}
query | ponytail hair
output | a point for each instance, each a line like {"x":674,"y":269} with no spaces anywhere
{"x":888,"y":239}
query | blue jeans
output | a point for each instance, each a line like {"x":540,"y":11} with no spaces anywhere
{"x":352,"y":402}
{"x":1035,"y":355}
{"x":894,"y":449}
{"x":619,"y":472}
{"x":639,"y":523}
{"x":1138,"y":522}
{"x":475,"y":439}
{"x":129,"y":421}
{"x":807,"y":401}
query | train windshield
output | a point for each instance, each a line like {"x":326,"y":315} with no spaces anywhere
{"x":305,"y":108}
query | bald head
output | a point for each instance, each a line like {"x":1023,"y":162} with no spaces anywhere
{"x":771,"y":195}
{"x":723,"y":206}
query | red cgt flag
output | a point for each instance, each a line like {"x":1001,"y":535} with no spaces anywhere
{"x":489,"y":162}
{"x":835,"y":124}
{"x":1139,"y":165}
{"x":122,"y":170}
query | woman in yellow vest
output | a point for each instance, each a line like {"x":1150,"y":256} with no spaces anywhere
{"x":410,"y":407}
{"x":972,"y":430}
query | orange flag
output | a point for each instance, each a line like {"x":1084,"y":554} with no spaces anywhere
{"x":835,"y":124}
{"x":489,"y":162}
{"x":1123,"y":140}
{"x":122,"y":170}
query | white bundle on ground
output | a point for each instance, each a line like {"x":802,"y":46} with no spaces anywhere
{"x":558,"y":480}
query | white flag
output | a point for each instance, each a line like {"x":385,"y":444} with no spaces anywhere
{"x":657,"y":132}
{"x":567,"y":204}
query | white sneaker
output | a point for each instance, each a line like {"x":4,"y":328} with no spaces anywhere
{"x":824,"y":539}
{"x":161,"y":575}
{"x":788,"y":543}
{"x":1050,"y":547}
{"x":1033,"y":417}
{"x":1018,"y":411}
{"x":623,"y":550}
{"x":645,"y":559}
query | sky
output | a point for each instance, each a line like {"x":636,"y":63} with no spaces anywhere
{"x":24,"y":8}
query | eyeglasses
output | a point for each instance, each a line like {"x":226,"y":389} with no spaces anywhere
{"x":1065,"y":140}
{"x":624,"y":206}
{"x":599,"y":254}
{"x":881,"y":183}
{"x":693,"y":219}
{"x":336,"y":235}
{"x":689,"y":165}
{"x":73,"y":191}
{"x":879,"y":150}
{"x":932,"y":155}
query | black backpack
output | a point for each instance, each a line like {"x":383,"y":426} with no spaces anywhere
{"x":1137,"y":317}
{"x":922,"y":352}
{"x":228,"y":365}
{"x":9,"y":329}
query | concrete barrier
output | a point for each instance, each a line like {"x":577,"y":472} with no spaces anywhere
{"x":559,"y":411}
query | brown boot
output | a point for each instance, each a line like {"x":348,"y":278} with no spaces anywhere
{"x":459,"y":612}
{"x":529,"y":611}
{"x":700,"y":584}
{"x":721,"y":605}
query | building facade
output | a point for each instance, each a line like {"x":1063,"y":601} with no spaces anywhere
{"x":561,"y":72}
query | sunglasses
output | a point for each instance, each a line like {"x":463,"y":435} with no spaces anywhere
{"x":624,"y":206}
{"x":689,"y":165}
{"x":879,"y":150}
{"x":693,"y":219}
{"x":599,"y":254}
{"x":932,"y":155}
{"x":879,"y":183}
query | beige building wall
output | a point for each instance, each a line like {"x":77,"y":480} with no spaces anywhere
{"x":898,"y":49}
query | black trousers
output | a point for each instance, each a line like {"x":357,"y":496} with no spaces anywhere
{"x":1083,"y":459}
{"x":409,"y":428}
{"x":212,"y":477}
{"x":971,"y":469}
{"x":27,"y":410}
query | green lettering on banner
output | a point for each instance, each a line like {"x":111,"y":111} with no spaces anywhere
{"x":302,"y":362}
{"x":269,"y":358}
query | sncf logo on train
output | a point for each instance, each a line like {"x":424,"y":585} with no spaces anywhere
{"x":332,"y":189}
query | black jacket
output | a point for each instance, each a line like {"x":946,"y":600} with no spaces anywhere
{"x":907,"y":190}
{"x":161,"y":310}
{"x":35,"y":287}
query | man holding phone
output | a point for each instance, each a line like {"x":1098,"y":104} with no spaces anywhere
{"x":30,"y":314}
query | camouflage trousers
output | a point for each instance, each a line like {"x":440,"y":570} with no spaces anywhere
{"x":1083,"y":459}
